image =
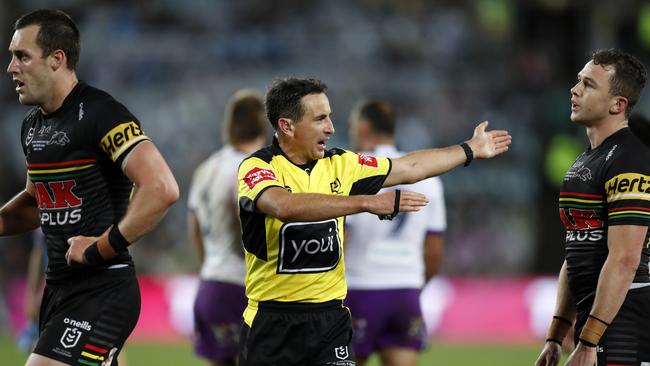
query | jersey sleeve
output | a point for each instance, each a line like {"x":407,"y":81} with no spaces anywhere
{"x":437,"y":219}
{"x":254,"y":177}
{"x":627,"y":188}
{"x":367,"y":172}
{"x":195,"y":190}
{"x":117,"y":131}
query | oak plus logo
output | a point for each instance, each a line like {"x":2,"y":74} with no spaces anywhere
{"x":57,"y":203}
{"x":309,"y":247}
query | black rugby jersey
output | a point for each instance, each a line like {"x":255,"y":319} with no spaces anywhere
{"x":74,"y":158}
{"x":609,"y":185}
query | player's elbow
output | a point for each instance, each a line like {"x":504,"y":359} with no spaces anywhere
{"x":167,"y":191}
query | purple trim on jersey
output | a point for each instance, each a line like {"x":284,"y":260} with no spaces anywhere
{"x":218,"y":312}
{"x":386,"y":318}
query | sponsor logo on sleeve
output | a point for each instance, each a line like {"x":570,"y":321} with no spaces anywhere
{"x":368,"y":160}
{"x":309,"y":247}
{"x":628,"y":186}
{"x":257,"y":175}
{"x":121,"y":138}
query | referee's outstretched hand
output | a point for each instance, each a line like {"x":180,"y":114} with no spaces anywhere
{"x":384,"y":203}
{"x":488,"y":144}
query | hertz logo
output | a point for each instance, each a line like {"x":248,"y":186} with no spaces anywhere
{"x":120,"y":138}
{"x":623,"y":185}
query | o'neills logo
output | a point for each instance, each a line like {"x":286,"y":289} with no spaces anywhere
{"x":75,"y":323}
{"x":628,"y":183}
{"x":120,"y":138}
{"x":368,"y":160}
{"x":257,"y":175}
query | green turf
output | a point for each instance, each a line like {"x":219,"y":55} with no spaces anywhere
{"x":145,"y":354}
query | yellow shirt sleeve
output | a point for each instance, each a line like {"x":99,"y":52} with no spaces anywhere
{"x":254,"y":177}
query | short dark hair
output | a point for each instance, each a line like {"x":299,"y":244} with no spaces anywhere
{"x":380,"y":115}
{"x":244,"y":119}
{"x":57,"y":32}
{"x":284,"y":98}
{"x":629,"y":76}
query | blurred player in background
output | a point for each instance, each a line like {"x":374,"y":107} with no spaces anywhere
{"x":604,"y":283}
{"x":293,"y":196}
{"x":387,"y":263}
{"x":216,"y":234}
{"x":33,"y":292}
{"x":85,"y":152}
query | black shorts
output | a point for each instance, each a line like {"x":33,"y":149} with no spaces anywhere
{"x":300,"y":334}
{"x":627,"y":340}
{"x":87,"y":320}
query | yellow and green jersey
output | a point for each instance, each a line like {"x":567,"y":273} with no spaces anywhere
{"x":299,"y":261}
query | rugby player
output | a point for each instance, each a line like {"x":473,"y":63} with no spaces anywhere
{"x":214,"y":230}
{"x":293,"y":196}
{"x":86,"y":154}
{"x":387,"y":262}
{"x":604,"y":282}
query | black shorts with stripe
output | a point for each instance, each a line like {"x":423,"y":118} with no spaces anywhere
{"x":627,"y":340}
{"x":86,"y":322}
{"x":300,"y":334}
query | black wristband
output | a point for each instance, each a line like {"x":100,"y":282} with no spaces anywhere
{"x":554,"y":340}
{"x":92,"y":255}
{"x":117,"y":240}
{"x":469,"y":154}
{"x":398,"y":194}
{"x":588,"y":344}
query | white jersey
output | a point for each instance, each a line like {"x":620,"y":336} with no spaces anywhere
{"x":390,"y":254}
{"x":213,"y":198}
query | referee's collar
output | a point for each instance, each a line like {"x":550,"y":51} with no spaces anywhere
{"x":307,"y":167}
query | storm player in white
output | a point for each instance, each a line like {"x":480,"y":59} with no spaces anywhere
{"x":387,"y":262}
{"x":215,"y":232}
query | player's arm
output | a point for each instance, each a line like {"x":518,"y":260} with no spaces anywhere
{"x":562,"y":322}
{"x":434,"y":247}
{"x":156,"y":190}
{"x":194,"y":233}
{"x":20,"y":214}
{"x":291,"y":207}
{"x":421,"y":164}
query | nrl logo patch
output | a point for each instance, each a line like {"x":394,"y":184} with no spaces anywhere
{"x":70,"y":337}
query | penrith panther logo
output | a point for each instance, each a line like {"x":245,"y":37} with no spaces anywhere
{"x":59,"y":138}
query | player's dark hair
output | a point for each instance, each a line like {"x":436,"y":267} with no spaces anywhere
{"x":629,"y":77}
{"x":380,"y":115}
{"x":57,"y":32}
{"x":244,"y":119}
{"x":284,"y":98}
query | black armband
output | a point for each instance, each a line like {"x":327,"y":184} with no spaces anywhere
{"x":469,"y":154}
{"x":117,"y":240}
{"x":92,"y":255}
{"x":395,"y":208}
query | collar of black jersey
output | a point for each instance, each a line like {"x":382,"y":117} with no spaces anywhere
{"x":68,"y":102}
{"x":307,"y":167}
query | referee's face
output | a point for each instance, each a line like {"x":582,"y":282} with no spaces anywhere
{"x":313,"y":131}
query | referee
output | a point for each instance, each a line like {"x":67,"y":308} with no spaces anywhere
{"x":293,"y":196}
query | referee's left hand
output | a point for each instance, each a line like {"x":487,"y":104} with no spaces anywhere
{"x":78,"y":244}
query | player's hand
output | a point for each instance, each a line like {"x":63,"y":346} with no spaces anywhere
{"x":384,"y":203}
{"x":550,"y":355}
{"x":582,"y":356}
{"x":487,"y":144}
{"x":78,"y":244}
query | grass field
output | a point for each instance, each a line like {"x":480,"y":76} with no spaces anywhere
{"x":145,"y":354}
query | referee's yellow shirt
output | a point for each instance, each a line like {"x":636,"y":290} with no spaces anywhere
{"x":299,"y":261}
